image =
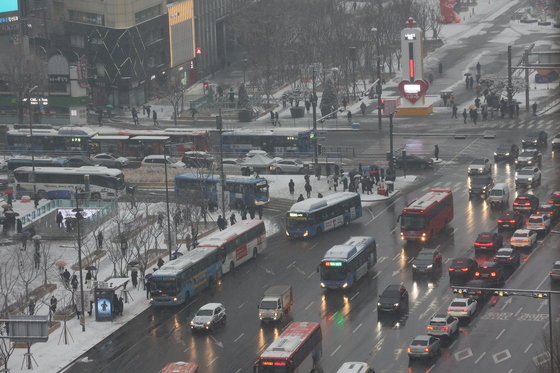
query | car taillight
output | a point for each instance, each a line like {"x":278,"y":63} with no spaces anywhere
{"x":527,"y":204}
{"x":541,"y":224}
{"x":476,"y":274}
{"x":550,"y":201}
{"x":449,"y":310}
{"x":445,"y":328}
{"x":512,"y":221}
{"x":509,"y":258}
{"x":451,"y":269}
{"x":465,"y":310}
{"x":464,"y":269}
{"x":493,"y":274}
{"x":430,"y":327}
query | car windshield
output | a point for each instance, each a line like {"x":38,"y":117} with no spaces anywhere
{"x":205,"y":313}
{"x":525,"y":172}
{"x":535,"y":220}
{"x":298,"y":221}
{"x":484,"y":238}
{"x":412,"y":222}
{"x":496,"y":192}
{"x":438,"y":323}
{"x":520,"y":234}
{"x":480,"y":181}
{"x":419,"y":342}
{"x":527,"y":154}
{"x":167,"y":285}
{"x":390,"y":294}
{"x":268,"y":305}
{"x":504,"y":252}
{"x":477,"y":162}
{"x":504,"y":148}
{"x":458,"y":304}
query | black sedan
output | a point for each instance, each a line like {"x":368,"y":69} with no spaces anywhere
{"x":508,"y":257}
{"x":511,"y":220}
{"x":413,"y":161}
{"x":488,"y":241}
{"x":535,"y":139}
{"x":506,"y":152}
{"x":492,"y":273}
{"x":462,"y":268}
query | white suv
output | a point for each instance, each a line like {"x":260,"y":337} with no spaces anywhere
{"x":480,"y":166}
{"x":528,"y":176}
{"x":539,"y":223}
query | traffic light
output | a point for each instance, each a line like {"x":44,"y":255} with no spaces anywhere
{"x":540,"y":295}
{"x":501,"y":293}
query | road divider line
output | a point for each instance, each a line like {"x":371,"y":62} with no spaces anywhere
{"x":500,"y":334}
{"x":480,"y":358}
{"x":452,"y":344}
{"x":309,"y":305}
{"x":212,"y":361}
{"x":241,"y":305}
{"x":354,"y":296}
{"x":382,"y":211}
{"x":543,"y":303}
{"x":238,"y":338}
{"x":528,"y":347}
{"x":545,"y":325}
{"x":542,"y":282}
{"x":238,"y":370}
{"x":394,"y":229}
{"x":311,"y":274}
{"x":291,"y":265}
{"x":517,"y":313}
{"x":356,"y":328}
{"x":430,"y":368}
{"x":376,"y":275}
{"x":397,"y":256}
{"x":336,"y":350}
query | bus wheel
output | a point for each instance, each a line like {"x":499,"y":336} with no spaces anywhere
{"x":231,"y":266}
{"x":95,"y":196}
{"x":255,"y":252}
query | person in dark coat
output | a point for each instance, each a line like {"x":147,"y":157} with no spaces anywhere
{"x":232,"y":219}
{"x":306,"y":178}
{"x":66,"y":277}
{"x":244,"y":213}
{"x":465,"y":115}
{"x":74,"y":282}
{"x":88,"y":275}
{"x":10,"y":199}
{"x":59,"y":220}
{"x":148,"y":288}
{"x":382,"y":173}
{"x":454,"y":111}
{"x":221,"y":222}
{"x":31,"y":306}
{"x":308,"y":189}
{"x":160,"y":263}
{"x":36,"y":200}
{"x":19,"y":226}
{"x":100,"y":240}
{"x":260,"y":211}
{"x":121,"y":306}
{"x":436,"y":152}
{"x":134,"y":277}
{"x":54,"y":303}
{"x":291,"y":186}
{"x":534,"y":107}
{"x":252,"y":212}
{"x":300,"y":198}
{"x":154,"y":116}
{"x":37,"y":259}
{"x":344,"y":184}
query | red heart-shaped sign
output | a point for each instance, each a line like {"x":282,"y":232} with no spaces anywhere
{"x":412,"y":91}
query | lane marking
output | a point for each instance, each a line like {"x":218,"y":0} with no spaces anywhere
{"x":382,"y":211}
{"x":291,"y":265}
{"x":396,"y":272}
{"x":498,"y":358}
{"x":212,"y":361}
{"x":238,"y":338}
{"x":463,"y":354}
{"x":394,"y":229}
{"x":519,"y":310}
{"x":309,"y":305}
{"x":355,"y":295}
{"x":397,"y":256}
{"x":241,"y":305}
{"x":356,"y":328}
{"x":542,"y":282}
{"x":336,"y":350}
{"x":480,"y":358}
{"x":528,"y":347}
{"x":543,"y":302}
{"x":500,"y":334}
{"x":376,"y":275}
{"x":311,"y":274}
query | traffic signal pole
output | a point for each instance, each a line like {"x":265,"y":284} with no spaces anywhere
{"x":378,"y":90}
{"x":314,"y":104}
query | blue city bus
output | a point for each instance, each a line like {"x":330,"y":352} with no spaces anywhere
{"x":276,"y":141}
{"x":346,"y":263}
{"x":180,"y":279}
{"x":241,"y":191}
{"x":315,"y":215}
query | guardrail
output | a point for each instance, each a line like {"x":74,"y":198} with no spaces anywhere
{"x":105,"y":208}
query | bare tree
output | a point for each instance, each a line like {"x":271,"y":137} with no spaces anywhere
{"x":6,"y":346}
{"x":172,"y":91}
{"x":47,"y":263}
{"x":8,"y":281}
{"x":27,"y":272}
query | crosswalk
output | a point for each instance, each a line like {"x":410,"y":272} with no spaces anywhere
{"x":533,"y":123}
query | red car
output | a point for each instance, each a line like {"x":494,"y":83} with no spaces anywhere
{"x":488,"y":241}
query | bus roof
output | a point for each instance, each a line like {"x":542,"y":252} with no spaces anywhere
{"x":76,"y":131}
{"x":216,"y":178}
{"x":220,"y":237}
{"x":290,"y":339}
{"x":36,"y":132}
{"x":180,"y":367}
{"x":110,"y":137}
{"x":150,"y":138}
{"x":271,"y":132}
{"x":176,"y":266}
{"x":429,"y":199}
{"x":84,"y":170}
{"x":348,"y":249}
{"x":315,"y":204}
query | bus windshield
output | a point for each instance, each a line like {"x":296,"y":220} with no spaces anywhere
{"x":261,"y":188}
{"x":333,"y":273}
{"x":298,"y":221}
{"x":167,"y":285}
{"x":413,"y":222}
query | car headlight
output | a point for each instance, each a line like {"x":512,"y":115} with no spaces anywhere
{"x":414,"y":266}
{"x":345,"y":285}
{"x":396,"y":304}
{"x":287,"y":233}
{"x":530,"y":179}
{"x":192,"y":323}
{"x":507,"y":154}
{"x":306,"y":233}
{"x":516,"y":161}
{"x":529,"y":162}
{"x":378,"y":304}
{"x":495,"y":153}
{"x":430,"y":266}
{"x":174,"y":299}
{"x":207,"y":323}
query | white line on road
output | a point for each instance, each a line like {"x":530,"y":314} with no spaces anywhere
{"x":238,"y":370}
{"x":528,"y":347}
{"x":212,"y":361}
{"x":241,"y":305}
{"x":291,"y":265}
{"x":394,"y":229}
{"x":396,"y":272}
{"x":355,"y":295}
{"x":376,"y":275}
{"x":356,"y":328}
{"x":397,"y":256}
{"x":452,"y":344}
{"x":508,"y":301}
{"x":545,"y":325}
{"x":336,"y":350}
{"x":480,"y":358}
{"x":430,"y":368}
{"x":238,"y":338}
{"x":543,"y":303}
{"x":188,"y":348}
{"x":309,"y":305}
{"x":500,"y":334}
{"x":311,"y":274}
{"x":542,"y":282}
{"x":382,"y":211}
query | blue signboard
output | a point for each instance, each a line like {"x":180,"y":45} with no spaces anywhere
{"x":9,"y":6}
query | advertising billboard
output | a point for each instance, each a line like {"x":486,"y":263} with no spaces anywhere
{"x":8,"y":6}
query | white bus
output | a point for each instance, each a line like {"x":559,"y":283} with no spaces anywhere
{"x":238,"y":243}
{"x":62,"y":182}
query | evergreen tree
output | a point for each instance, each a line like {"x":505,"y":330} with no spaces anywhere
{"x":329,"y":98}
{"x":243,"y":101}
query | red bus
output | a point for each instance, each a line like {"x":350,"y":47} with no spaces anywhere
{"x":427,"y":215}
{"x":297,"y":349}
{"x":180,"y":367}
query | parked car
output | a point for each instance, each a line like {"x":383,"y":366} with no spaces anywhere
{"x":528,"y":157}
{"x":488,"y":241}
{"x":443,"y":325}
{"x":526,"y":203}
{"x":506,"y":152}
{"x":80,"y":161}
{"x":523,"y":238}
{"x":423,"y":347}
{"x":413,"y":161}
{"x":394,"y":299}
{"x":232,"y":165}
{"x":480,"y":185}
{"x":480,"y":166}
{"x":159,"y":161}
{"x":507,"y":257}
{"x":492,"y":273}
{"x":556,"y":142}
{"x":198,"y":159}
{"x":548,"y":209}
{"x":209,"y":316}
{"x":534,"y":139}
{"x":428,"y":261}
{"x":462,"y":269}
{"x":462,"y":307}
{"x":289,"y":166}
{"x":528,"y":177}
{"x":555,"y":271}
{"x":511,"y":220}
{"x":539,"y":223}
{"x":110,"y":160}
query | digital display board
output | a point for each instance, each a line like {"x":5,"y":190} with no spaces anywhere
{"x":8,"y":6}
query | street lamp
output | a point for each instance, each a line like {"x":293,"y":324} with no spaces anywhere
{"x":79,"y":217}
{"x":378,"y":88}
{"x":31,"y":139}
{"x":314,"y":104}
{"x":244,"y":69}
{"x":166,"y":147}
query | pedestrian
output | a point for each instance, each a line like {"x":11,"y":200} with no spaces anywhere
{"x":475,"y":116}
{"x":24,"y":237}
{"x":465,"y":115}
{"x":291,"y":186}
{"x":291,"y":99}
{"x":232,"y":219}
{"x":319,"y":195}
{"x":382,"y":174}
{"x":349,"y":116}
{"x":59,"y":220}
{"x":335,"y":182}
{"x":220,"y":222}
{"x":276,"y":119}
{"x":260,"y":211}
{"x":121,"y":306}
{"x":252,"y":212}
{"x":54,"y":303}
{"x":272,"y":118}
{"x":306,"y":178}
{"x":37,"y":245}
{"x":344,"y":103}
{"x":36,"y":200}
{"x":534,"y":107}
{"x":471,"y":82}
{"x":148,"y":288}
{"x":134,"y":277}
{"x":444,"y":97}
{"x":330,"y":181}
{"x":308,"y":189}
{"x":66,"y":277}
{"x":31,"y":306}
{"x":100,"y":240}
{"x":454,"y":111}
{"x":344,"y":183}
{"x":517,"y":110}
{"x":363,"y":108}
{"x":143,"y":109}
{"x":10,"y":199}
{"x":99,"y":117}
{"x":148,"y":109}
{"x":88,"y":275}
{"x":154,"y":116}
{"x":478,"y":68}
{"x":160,"y":262}
{"x":307,"y":105}
{"x":193,"y":113}
{"x":244,"y":213}
{"x":436,"y":152}
{"x":451,"y":100}
{"x":364,"y":186}
{"x":440,"y":68}
{"x":74,"y":282}
{"x":134,"y":113}
{"x":37,"y":259}
{"x":19,"y":226}
{"x":300,"y":198}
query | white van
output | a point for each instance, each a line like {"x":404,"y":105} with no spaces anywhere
{"x":355,"y":367}
{"x":499,"y":195}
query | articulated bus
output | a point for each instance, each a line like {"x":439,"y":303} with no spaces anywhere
{"x":237,"y":243}
{"x":427,"y":215}
{"x":297,"y":349}
{"x":62,"y":182}
{"x":180,"y":279}
{"x":277,"y":141}
{"x":315,"y":215}
{"x":241,"y":191}
{"x":346,"y":263}
{"x":64,"y":141}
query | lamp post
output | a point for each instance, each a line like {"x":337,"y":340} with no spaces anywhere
{"x":314,"y":104}
{"x":220,"y":128}
{"x":167,"y":201}
{"x":378,"y":88}
{"x":244,"y":69}
{"x":31,"y":139}
{"x":79,"y":217}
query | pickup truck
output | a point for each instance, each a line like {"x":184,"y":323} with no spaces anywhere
{"x":276,"y":301}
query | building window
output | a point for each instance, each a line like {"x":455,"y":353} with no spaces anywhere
{"x":84,"y":17}
{"x":145,"y":14}
{"x":77,"y":40}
